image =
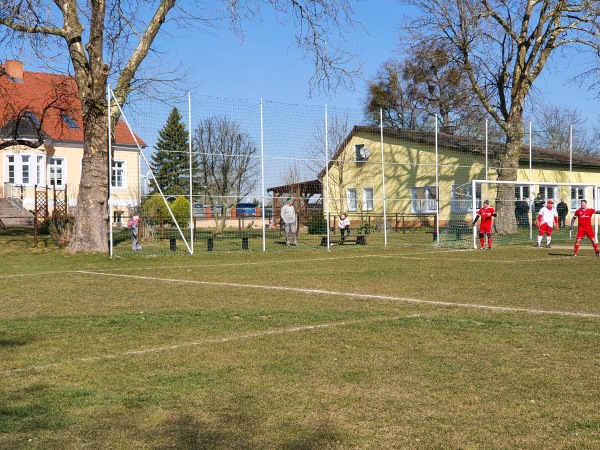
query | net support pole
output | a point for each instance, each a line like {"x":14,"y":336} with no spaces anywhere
{"x":110,"y":208}
{"x":191,"y":174}
{"x":262,"y":175}
{"x":437,"y":185}
{"x":571,"y":154}
{"x":385,"y":236}
{"x":531,"y":196}
{"x":327,"y":194}
{"x":474,"y":209}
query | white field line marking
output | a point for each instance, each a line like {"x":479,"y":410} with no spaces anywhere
{"x":241,"y":337}
{"x":299,"y":260}
{"x":35,"y":273}
{"x":349,"y":294}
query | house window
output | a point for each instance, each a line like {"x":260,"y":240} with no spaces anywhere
{"x":118,"y":174}
{"x":21,"y":168}
{"x":522,"y":192}
{"x":424,"y":199}
{"x":29,"y":115}
{"x":367,"y":199}
{"x":39,"y":171}
{"x":25,"y":169}
{"x":352,"y":199}
{"x":357,"y":149}
{"x":577,"y":194}
{"x":548,"y":192}
{"x":11,"y":169}
{"x":57,"y":167}
{"x":462,"y":198}
{"x":69,"y":121}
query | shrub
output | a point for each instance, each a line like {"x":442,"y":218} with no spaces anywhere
{"x":154,"y":208}
{"x":317,"y":224}
{"x":181,"y":211}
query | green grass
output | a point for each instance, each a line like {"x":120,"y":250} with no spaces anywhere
{"x":356,"y":348}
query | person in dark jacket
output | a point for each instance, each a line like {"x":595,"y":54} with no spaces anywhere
{"x":562,"y":209}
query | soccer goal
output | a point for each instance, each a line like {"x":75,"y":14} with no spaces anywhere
{"x":516,"y":217}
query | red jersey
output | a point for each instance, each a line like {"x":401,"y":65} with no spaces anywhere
{"x":584,"y":217}
{"x":486,"y":215}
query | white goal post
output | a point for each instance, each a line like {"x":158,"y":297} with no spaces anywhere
{"x":526,"y":191}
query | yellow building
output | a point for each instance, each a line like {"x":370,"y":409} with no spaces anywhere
{"x":418,"y":169}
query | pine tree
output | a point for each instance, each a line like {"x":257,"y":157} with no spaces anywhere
{"x":170,"y":162}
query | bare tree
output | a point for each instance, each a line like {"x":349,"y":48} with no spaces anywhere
{"x":427,"y":82}
{"x":113,"y":38}
{"x":228,"y":166}
{"x":503,"y":47}
{"x":389,"y":92}
{"x":561,"y":128}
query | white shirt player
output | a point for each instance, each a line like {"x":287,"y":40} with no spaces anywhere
{"x":547,"y":215}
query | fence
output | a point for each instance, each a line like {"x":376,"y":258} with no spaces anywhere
{"x":398,"y":187}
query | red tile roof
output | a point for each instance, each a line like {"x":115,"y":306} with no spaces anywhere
{"x":48,"y":97}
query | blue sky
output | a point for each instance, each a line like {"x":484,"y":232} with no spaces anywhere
{"x":267,"y":65}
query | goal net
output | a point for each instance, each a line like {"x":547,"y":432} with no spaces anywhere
{"x":517,"y":204}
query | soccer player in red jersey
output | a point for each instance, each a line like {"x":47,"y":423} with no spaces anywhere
{"x":485,"y":227}
{"x":584,"y":226}
{"x":547,"y":220}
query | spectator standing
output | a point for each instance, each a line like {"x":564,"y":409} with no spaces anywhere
{"x":486,"y":213}
{"x":584,"y":227}
{"x":562,"y":209}
{"x":288,"y":216}
{"x":547,"y":219}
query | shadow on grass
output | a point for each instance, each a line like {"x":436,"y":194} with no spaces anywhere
{"x":237,"y":430}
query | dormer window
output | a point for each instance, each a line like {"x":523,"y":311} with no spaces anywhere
{"x":69,"y":121}
{"x":31,"y":117}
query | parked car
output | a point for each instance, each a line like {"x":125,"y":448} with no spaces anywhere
{"x":246,"y":209}
{"x":201,"y":211}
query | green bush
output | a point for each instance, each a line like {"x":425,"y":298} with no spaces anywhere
{"x":181,"y":211}
{"x":317,"y":224}
{"x":154,"y":208}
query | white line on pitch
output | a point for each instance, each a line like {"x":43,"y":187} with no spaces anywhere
{"x":241,"y":337}
{"x":348,"y":294}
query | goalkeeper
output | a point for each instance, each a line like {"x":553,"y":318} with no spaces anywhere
{"x":547,"y":220}
{"x":486,"y":213}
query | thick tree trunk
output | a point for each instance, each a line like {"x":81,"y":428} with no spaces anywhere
{"x":90,"y":233}
{"x":506,"y":222}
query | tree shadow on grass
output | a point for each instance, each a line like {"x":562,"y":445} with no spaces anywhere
{"x":236,"y":431}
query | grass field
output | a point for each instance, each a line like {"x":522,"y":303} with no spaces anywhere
{"x":356,"y":348}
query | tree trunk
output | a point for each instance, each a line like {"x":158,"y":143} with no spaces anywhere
{"x":90,"y":233}
{"x":506,"y":222}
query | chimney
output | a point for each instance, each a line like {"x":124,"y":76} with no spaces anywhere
{"x":14,"y":69}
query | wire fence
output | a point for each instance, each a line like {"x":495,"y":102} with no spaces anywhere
{"x":215,"y":176}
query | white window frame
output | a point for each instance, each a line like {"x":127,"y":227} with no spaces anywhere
{"x":520,"y":192}
{"x":578,"y":193}
{"x":21,"y":168}
{"x":549,"y":192}
{"x":423,"y":199}
{"x":352,"y":199}
{"x":40,"y":170}
{"x":52,"y":178}
{"x":462,"y":198}
{"x":11,"y":169}
{"x":123,"y":172}
{"x":368,"y":199}
{"x":357,"y":156}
